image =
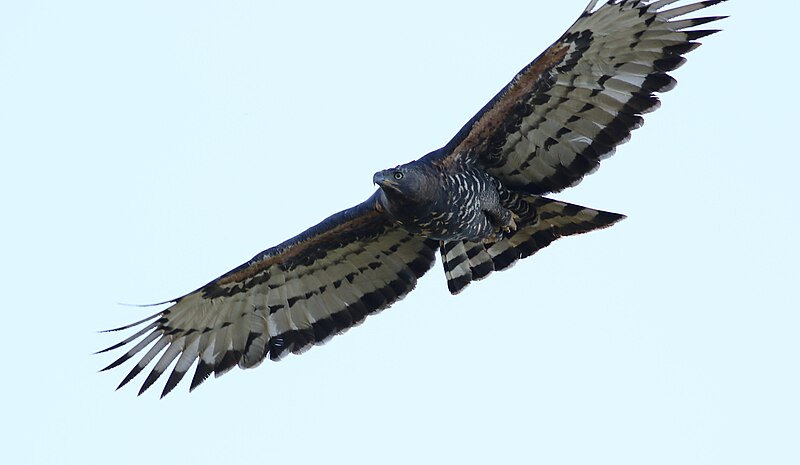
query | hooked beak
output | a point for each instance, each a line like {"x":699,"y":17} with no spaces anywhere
{"x":383,"y":179}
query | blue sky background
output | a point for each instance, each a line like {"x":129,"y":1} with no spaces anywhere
{"x":148,"y":147}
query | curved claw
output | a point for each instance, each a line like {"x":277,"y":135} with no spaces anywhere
{"x":512,"y":223}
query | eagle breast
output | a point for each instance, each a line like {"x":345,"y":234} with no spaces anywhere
{"x":440,"y":203}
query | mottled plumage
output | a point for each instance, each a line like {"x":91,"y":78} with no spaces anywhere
{"x":478,"y":201}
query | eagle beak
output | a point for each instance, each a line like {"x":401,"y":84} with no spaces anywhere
{"x":382,"y":179}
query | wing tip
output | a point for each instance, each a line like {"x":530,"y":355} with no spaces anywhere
{"x":131,"y":325}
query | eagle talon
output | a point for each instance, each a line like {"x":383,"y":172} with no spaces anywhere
{"x":509,"y":227}
{"x":504,"y":231}
{"x":512,"y":223}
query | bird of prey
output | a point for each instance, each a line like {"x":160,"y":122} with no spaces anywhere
{"x":479,"y":201}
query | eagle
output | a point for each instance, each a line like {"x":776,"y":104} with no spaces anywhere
{"x":479,"y":201}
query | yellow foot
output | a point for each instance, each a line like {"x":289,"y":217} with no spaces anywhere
{"x":503,"y":231}
{"x":512,"y":224}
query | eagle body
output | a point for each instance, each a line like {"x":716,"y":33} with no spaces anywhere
{"x":460,"y":202}
{"x":478,"y":201}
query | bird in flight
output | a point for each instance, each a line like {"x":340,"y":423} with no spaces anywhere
{"x":479,"y":201}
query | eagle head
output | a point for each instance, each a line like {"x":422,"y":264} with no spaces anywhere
{"x":410,"y":184}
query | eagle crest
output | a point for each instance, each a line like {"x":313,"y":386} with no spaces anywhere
{"x":478,"y":201}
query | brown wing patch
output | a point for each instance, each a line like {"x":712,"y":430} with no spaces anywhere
{"x":523,"y":83}
{"x":368,"y":220}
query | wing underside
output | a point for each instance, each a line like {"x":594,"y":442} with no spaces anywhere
{"x":283,"y":301}
{"x":573,"y":105}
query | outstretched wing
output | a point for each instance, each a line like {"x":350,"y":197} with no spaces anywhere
{"x":285,"y":299}
{"x":569,"y":108}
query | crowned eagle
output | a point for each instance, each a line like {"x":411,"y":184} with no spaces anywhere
{"x":479,"y":201}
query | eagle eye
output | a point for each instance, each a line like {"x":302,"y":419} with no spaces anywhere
{"x":398,"y":175}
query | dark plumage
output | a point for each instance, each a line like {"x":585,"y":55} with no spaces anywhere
{"x":455,"y":202}
{"x":477,"y":200}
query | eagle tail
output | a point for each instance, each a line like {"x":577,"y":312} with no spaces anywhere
{"x":541,"y":221}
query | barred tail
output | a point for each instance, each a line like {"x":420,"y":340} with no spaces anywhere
{"x":541,"y":221}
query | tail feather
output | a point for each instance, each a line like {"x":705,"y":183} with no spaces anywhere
{"x":541,"y":222}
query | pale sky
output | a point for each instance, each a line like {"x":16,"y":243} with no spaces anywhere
{"x":149,"y":147}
